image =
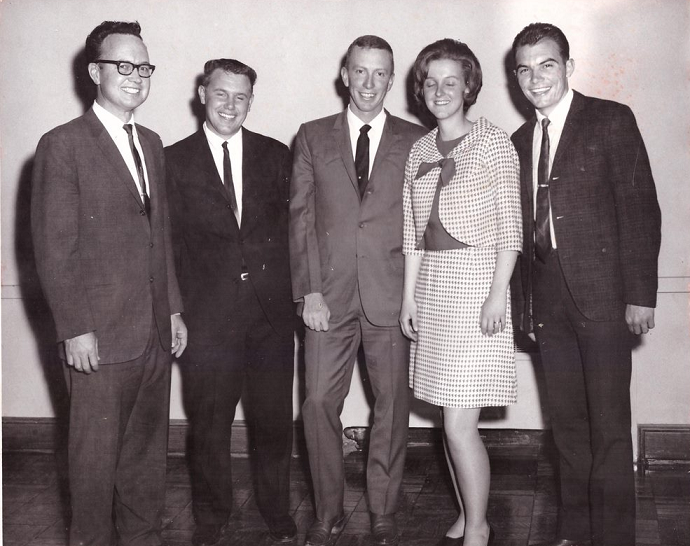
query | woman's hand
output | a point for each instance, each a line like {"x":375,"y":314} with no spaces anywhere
{"x":492,"y":318}
{"x":408,"y":318}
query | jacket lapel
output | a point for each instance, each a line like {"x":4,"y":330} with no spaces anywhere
{"x":111,"y":152}
{"x":389,"y":138}
{"x":570,"y":129}
{"x":341,"y":134}
{"x":205,"y":166}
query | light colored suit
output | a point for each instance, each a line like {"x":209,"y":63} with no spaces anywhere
{"x":350,"y":250}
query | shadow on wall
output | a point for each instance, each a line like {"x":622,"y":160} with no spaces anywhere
{"x":37,"y":311}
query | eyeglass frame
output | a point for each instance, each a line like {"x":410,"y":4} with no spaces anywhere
{"x":134,"y":66}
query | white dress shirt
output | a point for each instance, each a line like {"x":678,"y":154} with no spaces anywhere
{"x":374,"y":133}
{"x":556,"y":124}
{"x":113,"y":125}
{"x":235,"y":149}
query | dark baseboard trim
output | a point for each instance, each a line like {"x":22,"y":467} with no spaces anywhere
{"x":659,"y":446}
{"x":29,"y":434}
{"x":663,"y":447}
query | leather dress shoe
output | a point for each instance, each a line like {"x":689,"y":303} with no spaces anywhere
{"x":564,"y":542}
{"x":384,"y":530}
{"x":282,"y":529}
{"x":209,"y":534}
{"x":320,"y":532}
{"x":450,"y":541}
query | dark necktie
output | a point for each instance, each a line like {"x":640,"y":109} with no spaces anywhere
{"x":447,"y":165}
{"x":140,"y":169}
{"x":227,"y":181}
{"x":362,"y":158}
{"x":542,"y":227}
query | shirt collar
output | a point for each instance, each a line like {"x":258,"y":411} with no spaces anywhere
{"x":112,"y":123}
{"x":560,"y":112}
{"x":355,"y":123}
{"x":217,"y":141}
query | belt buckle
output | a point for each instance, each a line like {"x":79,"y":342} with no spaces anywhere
{"x":244,"y":276}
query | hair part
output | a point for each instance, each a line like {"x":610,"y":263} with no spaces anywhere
{"x":94,"y":41}
{"x":369,"y":41}
{"x":233,"y":66}
{"x":536,"y":32}
{"x":453,"y":50}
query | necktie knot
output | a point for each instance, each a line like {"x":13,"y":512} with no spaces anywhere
{"x":225,"y":146}
{"x":364,"y":129}
{"x":545,"y":124}
{"x":128,"y":127}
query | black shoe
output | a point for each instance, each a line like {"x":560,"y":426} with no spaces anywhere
{"x":320,"y":532}
{"x":384,"y":530}
{"x":282,"y":529}
{"x":565,"y":542}
{"x":450,"y":541}
{"x":209,"y":534}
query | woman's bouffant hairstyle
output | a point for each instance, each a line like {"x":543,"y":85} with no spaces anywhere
{"x":455,"y":51}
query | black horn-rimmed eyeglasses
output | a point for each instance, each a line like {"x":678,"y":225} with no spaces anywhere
{"x":126,"y":68}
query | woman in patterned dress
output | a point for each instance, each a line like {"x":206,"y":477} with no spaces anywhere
{"x":461,"y":239}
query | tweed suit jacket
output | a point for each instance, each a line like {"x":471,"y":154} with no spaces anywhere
{"x":480,"y":205}
{"x":339,"y":242}
{"x":209,"y":246}
{"x":104,"y":266}
{"x":604,"y":208}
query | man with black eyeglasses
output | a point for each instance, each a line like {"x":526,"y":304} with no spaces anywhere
{"x":101,"y":234}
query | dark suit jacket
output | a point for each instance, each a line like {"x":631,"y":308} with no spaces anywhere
{"x":606,"y":215}
{"x":336,"y":243}
{"x":208,"y":244}
{"x":102,"y":265}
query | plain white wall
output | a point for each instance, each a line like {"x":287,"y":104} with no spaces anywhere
{"x":633,"y":51}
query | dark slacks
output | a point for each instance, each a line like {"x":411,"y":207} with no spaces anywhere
{"x":587,"y":367}
{"x":257,"y":360}
{"x":330,"y":358}
{"x":117,"y":449}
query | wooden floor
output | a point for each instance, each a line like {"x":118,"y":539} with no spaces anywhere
{"x":521,"y":506}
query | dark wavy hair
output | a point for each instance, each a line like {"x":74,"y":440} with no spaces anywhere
{"x":228,"y":65}
{"x":455,"y":51}
{"x":536,"y":32}
{"x":94,"y":41}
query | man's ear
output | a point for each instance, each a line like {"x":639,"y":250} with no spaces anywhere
{"x":344,"y":76}
{"x":94,"y":73}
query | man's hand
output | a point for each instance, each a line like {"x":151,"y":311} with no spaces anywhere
{"x":82,"y":352}
{"x":179,"y":335}
{"x":640,"y":319}
{"x":316,"y":313}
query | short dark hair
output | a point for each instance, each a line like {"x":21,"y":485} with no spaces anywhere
{"x":94,"y":41}
{"x":228,"y":65}
{"x":455,"y":51}
{"x":369,"y":41}
{"x":536,"y":32}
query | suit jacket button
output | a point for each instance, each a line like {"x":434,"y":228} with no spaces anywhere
{"x":361,"y":225}
{"x":150,"y":279}
{"x":142,"y":212}
{"x":150,"y":245}
{"x":228,"y":207}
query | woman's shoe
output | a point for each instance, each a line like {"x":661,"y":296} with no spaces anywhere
{"x":449,"y":541}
